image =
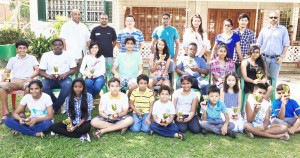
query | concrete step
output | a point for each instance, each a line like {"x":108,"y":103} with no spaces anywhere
{"x":289,"y":70}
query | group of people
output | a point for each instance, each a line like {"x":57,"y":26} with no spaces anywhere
{"x":236,"y":54}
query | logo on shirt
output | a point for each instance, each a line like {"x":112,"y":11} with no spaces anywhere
{"x":97,"y":34}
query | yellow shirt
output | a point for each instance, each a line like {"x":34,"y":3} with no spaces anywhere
{"x":142,"y":100}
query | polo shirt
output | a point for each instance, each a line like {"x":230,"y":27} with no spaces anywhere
{"x":142,"y":100}
{"x":290,"y":108}
{"x":138,"y":36}
{"x":213,"y":113}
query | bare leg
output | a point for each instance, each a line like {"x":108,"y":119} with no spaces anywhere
{"x":277,"y":129}
{"x":152,"y":83}
{"x":255,"y":131}
{"x":131,"y":88}
{"x":3,"y":95}
{"x":109,"y":127}
{"x":167,"y":83}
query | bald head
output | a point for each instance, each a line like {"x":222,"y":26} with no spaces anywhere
{"x":274,"y":18}
{"x":76,"y":15}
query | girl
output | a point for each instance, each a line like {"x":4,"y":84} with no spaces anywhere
{"x":197,"y":35}
{"x":221,"y":65}
{"x":253,"y":66}
{"x":185,"y":101}
{"x":78,"y":107}
{"x":93,"y":67}
{"x":41,"y":112}
{"x":159,"y":65}
{"x":231,"y":96}
{"x":163,"y":115}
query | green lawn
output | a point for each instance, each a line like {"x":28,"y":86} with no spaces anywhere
{"x":142,"y":145}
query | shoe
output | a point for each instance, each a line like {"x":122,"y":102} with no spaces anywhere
{"x":285,"y":137}
{"x":53,"y":134}
{"x":232,"y":134}
{"x":151,"y":132}
{"x":181,"y":136}
{"x":123,"y":131}
{"x":88,"y":138}
{"x":204,"y":131}
{"x":250,"y":135}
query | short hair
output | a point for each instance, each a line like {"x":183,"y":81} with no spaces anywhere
{"x":166,"y":14}
{"x":193,"y":44}
{"x":280,"y":87}
{"x":186,"y":78}
{"x":130,"y":38}
{"x":143,"y":77}
{"x":213,"y":89}
{"x":260,"y":86}
{"x":37,"y":82}
{"x":130,"y":16}
{"x":114,"y":79}
{"x":164,"y":87}
{"x":229,"y":20}
{"x":102,"y":13}
{"x":22,"y":43}
{"x":57,"y":39}
{"x":244,"y":15}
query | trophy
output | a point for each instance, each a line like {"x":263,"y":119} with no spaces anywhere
{"x":258,"y":101}
{"x":191,"y":63}
{"x":205,"y":98}
{"x":115,"y":109}
{"x":235,"y":110}
{"x":286,"y":90}
{"x":27,"y":117}
{"x":165,"y":116}
{"x":7,"y":77}
{"x":92,"y":72}
{"x":141,"y":110}
{"x":55,"y":71}
{"x":259,"y":75}
{"x":68,"y":122}
{"x":180,"y":113}
{"x":162,"y":56}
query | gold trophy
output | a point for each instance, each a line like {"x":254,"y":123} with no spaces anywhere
{"x":55,"y":71}
{"x":235,"y":110}
{"x":162,"y":56}
{"x":286,"y":90}
{"x":258,"y":101}
{"x":141,"y":110}
{"x":165,"y":116}
{"x":7,"y":77}
{"x":115,"y":109}
{"x":68,"y":122}
{"x":191,"y":63}
{"x":180,"y":113}
{"x":205,"y":98}
{"x":92,"y":71}
{"x":259,"y":76}
{"x":27,"y":117}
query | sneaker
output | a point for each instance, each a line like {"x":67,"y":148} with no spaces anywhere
{"x":88,"y":138}
{"x":232,"y":134}
{"x":53,"y":134}
{"x":204,"y":131}
{"x":151,"y":132}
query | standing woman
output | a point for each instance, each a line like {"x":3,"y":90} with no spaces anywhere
{"x":197,"y":35}
{"x":231,"y":39}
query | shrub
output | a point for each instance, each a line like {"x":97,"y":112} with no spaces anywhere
{"x":40,"y":45}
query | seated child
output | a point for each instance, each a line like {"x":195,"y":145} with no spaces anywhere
{"x":258,"y":116}
{"x":211,"y":115}
{"x":113,"y":109}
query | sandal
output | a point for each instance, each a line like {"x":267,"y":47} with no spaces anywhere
{"x":40,"y":134}
{"x":97,"y":134}
{"x":151,"y":132}
{"x":123,"y":131}
{"x":4,"y":117}
{"x":181,"y":136}
{"x":285,"y":137}
{"x":15,"y":133}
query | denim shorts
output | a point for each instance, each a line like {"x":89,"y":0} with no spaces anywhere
{"x":158,"y":78}
{"x":113,"y":121}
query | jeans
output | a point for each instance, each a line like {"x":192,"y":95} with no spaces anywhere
{"x":94,"y":85}
{"x":65,"y":87}
{"x":215,"y":126}
{"x":139,"y":124}
{"x":61,"y":129}
{"x":193,"y":125}
{"x":168,"y":131}
{"x":25,"y":129}
{"x":272,"y":67}
{"x":203,"y":87}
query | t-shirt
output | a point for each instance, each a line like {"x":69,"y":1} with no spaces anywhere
{"x":38,"y":108}
{"x":184,"y":102}
{"x":104,"y":36}
{"x":184,"y":64}
{"x":169,"y":34}
{"x":260,"y":116}
{"x":138,"y":36}
{"x":64,"y":62}
{"x":142,"y":100}
{"x":213,"y":113}
{"x":128,"y":64}
{"x":22,"y":68}
{"x":190,"y":36}
{"x":160,"y":108}
{"x":90,"y":63}
{"x":107,"y":101}
{"x":230,"y":42}
{"x":290,"y":108}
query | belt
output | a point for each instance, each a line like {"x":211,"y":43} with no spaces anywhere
{"x":270,"y":56}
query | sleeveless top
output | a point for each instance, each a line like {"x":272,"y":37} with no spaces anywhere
{"x":231,"y":99}
{"x":159,"y":68}
{"x":251,"y":73}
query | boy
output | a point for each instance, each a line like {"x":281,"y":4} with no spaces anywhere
{"x":141,"y":102}
{"x":258,"y":116}
{"x":113,"y":109}
{"x":129,"y":66}
{"x":211,"y":115}
{"x":284,"y":110}
{"x":24,"y":68}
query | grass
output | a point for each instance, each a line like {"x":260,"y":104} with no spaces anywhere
{"x":141,"y":145}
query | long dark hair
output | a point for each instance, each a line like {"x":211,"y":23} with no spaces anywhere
{"x":165,"y":50}
{"x":84,"y":104}
{"x":200,"y":29}
{"x":223,"y":45}
{"x":259,"y":61}
{"x":92,"y":45}
{"x":235,"y":87}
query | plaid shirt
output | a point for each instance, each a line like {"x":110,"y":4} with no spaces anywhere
{"x":77,"y":105}
{"x":221,"y":71}
{"x":247,"y":38}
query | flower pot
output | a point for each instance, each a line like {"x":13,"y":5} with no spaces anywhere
{"x":7,"y":51}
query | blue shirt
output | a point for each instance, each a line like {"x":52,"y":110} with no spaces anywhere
{"x":272,"y":40}
{"x":230,"y":42}
{"x":169,"y":34}
{"x":214,"y":113}
{"x":137,"y":34}
{"x":290,"y":108}
{"x":184,"y":65}
{"x":77,"y":108}
{"x":247,"y":38}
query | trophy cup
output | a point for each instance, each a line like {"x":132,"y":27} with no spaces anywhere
{"x":7,"y":77}
{"x":165,"y":116}
{"x":92,"y":72}
{"x":191,"y":63}
{"x":68,"y":122}
{"x":27,"y":117}
{"x":205,"y":99}
{"x":55,"y":71}
{"x":141,"y":116}
{"x":162,"y":56}
{"x":180,"y":113}
{"x":259,"y":76}
{"x":286,"y":90}
{"x":235,"y":110}
{"x":115,"y":109}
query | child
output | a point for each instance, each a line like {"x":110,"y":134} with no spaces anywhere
{"x":284,"y":109}
{"x":78,"y":107}
{"x":113,"y":109}
{"x":141,"y":102}
{"x":159,"y":64}
{"x":185,"y":101}
{"x":163,"y":115}
{"x":221,"y":65}
{"x":41,"y":112}
{"x":211,"y":115}
{"x":258,"y":116}
{"x":231,"y":96}
{"x":93,"y":67}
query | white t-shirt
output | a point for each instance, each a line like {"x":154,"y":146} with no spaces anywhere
{"x":22,"y":68}
{"x":76,"y":36}
{"x":160,"y":108}
{"x":107,"y":101}
{"x":190,"y":36}
{"x":184,"y":103}
{"x":38,"y":108}
{"x":65,"y":62}
{"x":98,"y":64}
{"x":260,"y":116}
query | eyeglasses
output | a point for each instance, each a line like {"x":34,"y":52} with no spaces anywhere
{"x":228,"y":25}
{"x":257,"y":51}
{"x":273,"y":17}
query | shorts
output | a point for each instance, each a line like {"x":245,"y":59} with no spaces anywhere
{"x":286,"y":121}
{"x":113,"y":121}
{"x":158,"y":78}
{"x":127,"y":82}
{"x":14,"y":84}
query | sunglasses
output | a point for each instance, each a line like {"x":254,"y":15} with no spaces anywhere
{"x":273,"y":17}
{"x":228,"y":25}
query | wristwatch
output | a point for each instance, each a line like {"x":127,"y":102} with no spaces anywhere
{"x":162,"y":78}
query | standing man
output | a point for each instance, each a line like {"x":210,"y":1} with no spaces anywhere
{"x":274,"y":42}
{"x":106,"y":38}
{"x":167,"y":32}
{"x":130,"y":31}
{"x":75,"y":36}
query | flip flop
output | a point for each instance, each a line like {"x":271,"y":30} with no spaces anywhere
{"x":4,"y":117}
{"x":285,"y":137}
{"x":181,"y":136}
{"x":40,"y":134}
{"x":16,"y":133}
{"x":250,"y":135}
{"x":97,"y":134}
{"x":123,"y":131}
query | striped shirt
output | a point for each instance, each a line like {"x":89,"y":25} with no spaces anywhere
{"x":247,"y":38}
{"x":142,"y":100}
{"x":137,"y":34}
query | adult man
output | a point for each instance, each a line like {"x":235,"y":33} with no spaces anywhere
{"x":274,"y":42}
{"x":128,"y":31}
{"x":24,"y":68}
{"x":56,"y":67}
{"x":106,"y":38}
{"x":167,"y":32}
{"x":75,"y":36}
